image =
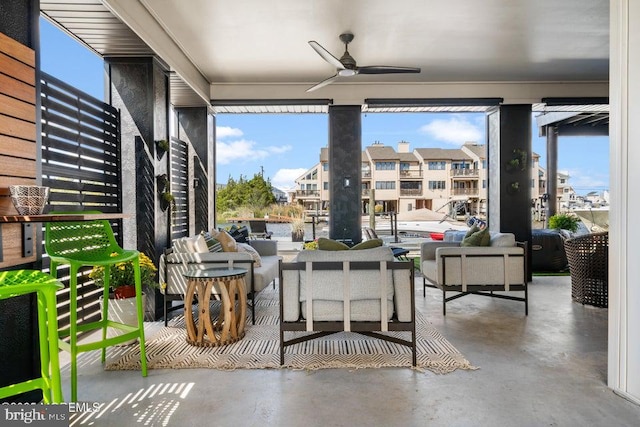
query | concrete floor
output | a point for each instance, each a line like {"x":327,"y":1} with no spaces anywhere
{"x":547,"y":369}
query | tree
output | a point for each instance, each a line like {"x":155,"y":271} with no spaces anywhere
{"x":255,"y":194}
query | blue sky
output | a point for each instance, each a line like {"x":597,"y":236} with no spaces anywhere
{"x":284,"y":146}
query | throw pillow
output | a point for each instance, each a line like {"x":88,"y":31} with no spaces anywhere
{"x":479,"y":238}
{"x":473,"y":229}
{"x":367,"y":244}
{"x":245,"y":247}
{"x":200,"y":245}
{"x":213,"y":245}
{"x":228,"y":243}
{"x":325,"y":244}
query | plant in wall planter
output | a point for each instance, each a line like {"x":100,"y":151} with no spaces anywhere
{"x":163,"y":147}
{"x":518,"y":161}
{"x":167,"y":199}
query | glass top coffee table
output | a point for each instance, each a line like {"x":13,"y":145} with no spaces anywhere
{"x":227,"y":285}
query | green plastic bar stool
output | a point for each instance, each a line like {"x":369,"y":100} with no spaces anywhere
{"x":21,"y":282}
{"x":91,"y":243}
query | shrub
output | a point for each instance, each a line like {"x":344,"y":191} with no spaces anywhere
{"x":564,"y":222}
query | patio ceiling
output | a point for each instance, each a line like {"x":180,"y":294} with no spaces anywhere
{"x":518,"y":50}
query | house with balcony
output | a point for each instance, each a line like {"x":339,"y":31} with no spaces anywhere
{"x":451,"y":180}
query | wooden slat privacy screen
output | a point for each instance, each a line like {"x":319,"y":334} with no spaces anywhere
{"x":17,"y":137}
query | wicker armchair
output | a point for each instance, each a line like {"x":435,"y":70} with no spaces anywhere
{"x":588,"y":257}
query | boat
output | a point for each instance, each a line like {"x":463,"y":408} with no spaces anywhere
{"x":420,"y":228}
{"x":596,"y":219}
{"x":419,"y":223}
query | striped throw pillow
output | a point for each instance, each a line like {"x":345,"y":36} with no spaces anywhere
{"x":213,"y":245}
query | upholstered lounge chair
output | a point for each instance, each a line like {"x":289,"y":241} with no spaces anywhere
{"x":478,"y":270}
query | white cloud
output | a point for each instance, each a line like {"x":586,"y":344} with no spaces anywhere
{"x":284,"y":179}
{"x":456,"y":130}
{"x":585,"y":181}
{"x":227,"y":131}
{"x":280,"y":150}
{"x":242,"y":149}
{"x":245,"y":150}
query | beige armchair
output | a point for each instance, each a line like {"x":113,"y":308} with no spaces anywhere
{"x":478,"y":270}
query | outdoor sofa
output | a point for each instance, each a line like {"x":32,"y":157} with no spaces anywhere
{"x":380,"y":292}
{"x":478,"y":270}
{"x":189,"y":252}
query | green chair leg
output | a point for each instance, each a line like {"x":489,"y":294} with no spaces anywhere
{"x":22,"y":282}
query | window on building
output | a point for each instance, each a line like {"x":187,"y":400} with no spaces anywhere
{"x":325,"y":185}
{"x":437,"y":166}
{"x":313,"y":175}
{"x":437,"y":185}
{"x":404,"y":166}
{"x":385,"y":166}
{"x":410,"y":185}
{"x":484,"y":183}
{"x":385,"y":185}
{"x":484,"y":164}
{"x":459,"y":165}
{"x":325,"y":167}
{"x":533,"y":183}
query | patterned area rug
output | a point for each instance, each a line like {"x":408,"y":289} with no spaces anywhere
{"x":259,"y":349}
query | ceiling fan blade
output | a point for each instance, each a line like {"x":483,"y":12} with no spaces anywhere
{"x":323,"y":83}
{"x":326,"y":55}
{"x":385,"y":69}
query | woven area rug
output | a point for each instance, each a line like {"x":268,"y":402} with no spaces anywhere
{"x":259,"y":349}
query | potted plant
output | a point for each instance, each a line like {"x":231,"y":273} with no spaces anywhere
{"x":122,"y":303}
{"x":121,"y":277}
{"x":297,"y":230}
{"x":564,"y":222}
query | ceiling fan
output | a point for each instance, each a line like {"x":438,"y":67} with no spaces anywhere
{"x":346,"y":65}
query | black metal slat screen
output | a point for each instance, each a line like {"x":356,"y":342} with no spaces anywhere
{"x":179,"y":177}
{"x":201,"y":196}
{"x":81,"y":165}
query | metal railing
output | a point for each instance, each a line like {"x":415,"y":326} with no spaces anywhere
{"x":465,"y":192}
{"x":410,"y":173}
{"x":465,"y":173}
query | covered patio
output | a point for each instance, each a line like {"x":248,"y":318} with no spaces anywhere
{"x":547,"y":368}
{"x":170,"y":68}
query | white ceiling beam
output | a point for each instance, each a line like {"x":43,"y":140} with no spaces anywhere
{"x":138,"y":18}
{"x":355,"y":94}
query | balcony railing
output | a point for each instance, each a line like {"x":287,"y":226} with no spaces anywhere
{"x":467,"y":173}
{"x":411,"y":192}
{"x":307,"y":193}
{"x":410,"y":173}
{"x":465,"y":192}
{"x":366,"y":192}
{"x":366,"y":174}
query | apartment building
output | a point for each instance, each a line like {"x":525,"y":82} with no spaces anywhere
{"x":443,"y":180}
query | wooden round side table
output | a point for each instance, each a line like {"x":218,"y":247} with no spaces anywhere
{"x":229,"y":285}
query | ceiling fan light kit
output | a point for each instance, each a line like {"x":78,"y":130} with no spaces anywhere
{"x":346,"y":66}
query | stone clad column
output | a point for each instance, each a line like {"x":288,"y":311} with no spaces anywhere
{"x":196,"y":126}
{"x":139,"y":88}
{"x":509,"y":154}
{"x":345,"y":164}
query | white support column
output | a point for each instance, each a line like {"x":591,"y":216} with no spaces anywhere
{"x":624,"y":270}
